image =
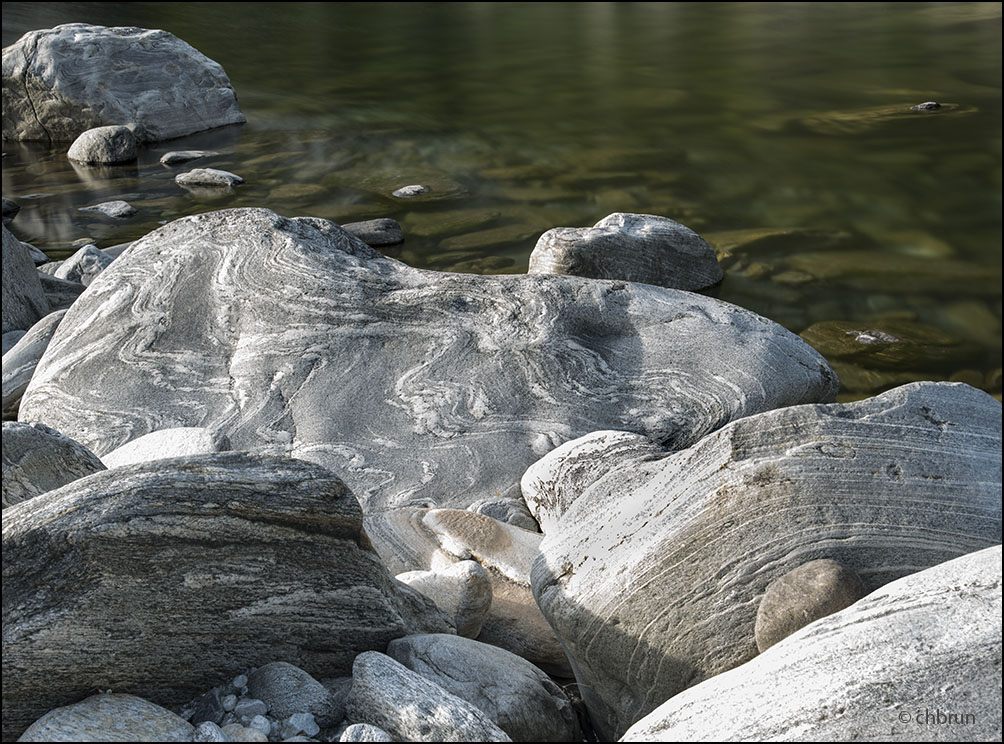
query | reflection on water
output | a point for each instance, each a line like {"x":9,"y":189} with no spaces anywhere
{"x":782,"y":132}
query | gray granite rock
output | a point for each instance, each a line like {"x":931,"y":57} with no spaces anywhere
{"x":10,"y":210}
{"x":418,"y":387}
{"x":183,"y":156}
{"x":60,"y":82}
{"x":423,"y":540}
{"x":364,"y":732}
{"x":377,"y":233}
{"x":116,"y":209}
{"x":635,"y":247}
{"x":20,"y":360}
{"x":653,"y":573}
{"x":806,"y":593}
{"x":892,"y":667}
{"x":160,"y":445}
{"x":37,"y":255}
{"x":83,"y":265}
{"x":37,"y":459}
{"x":286,"y":690}
{"x":208,"y":731}
{"x":11,"y":338}
{"x":411,"y":708}
{"x":208,"y":178}
{"x":462,"y":590}
{"x":164,"y":576}
{"x":109,"y":717}
{"x":23,"y":301}
{"x":106,"y":145}
{"x":59,"y":293}
{"x":522,"y":700}
{"x":410,"y":192}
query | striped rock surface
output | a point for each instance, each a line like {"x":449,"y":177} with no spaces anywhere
{"x":61,"y":81}
{"x":917,"y":660}
{"x":653,"y":568}
{"x":161,"y":578}
{"x":418,"y":387}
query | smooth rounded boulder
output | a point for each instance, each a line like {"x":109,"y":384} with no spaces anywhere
{"x":37,"y":459}
{"x":420,"y":388}
{"x":110,"y":717}
{"x":104,"y":145}
{"x":156,"y":579}
{"x":654,"y":571}
{"x":62,"y":81}
{"x":917,"y":660}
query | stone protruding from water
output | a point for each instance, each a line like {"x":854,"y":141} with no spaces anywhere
{"x":104,"y":145}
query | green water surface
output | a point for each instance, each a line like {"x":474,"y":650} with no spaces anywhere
{"x":780,"y":132}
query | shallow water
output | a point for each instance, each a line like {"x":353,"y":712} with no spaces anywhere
{"x":782,"y":133}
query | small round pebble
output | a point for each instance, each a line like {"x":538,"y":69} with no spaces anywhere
{"x":241,"y":680}
{"x":262,"y":724}
{"x":229,"y":702}
{"x":208,"y":731}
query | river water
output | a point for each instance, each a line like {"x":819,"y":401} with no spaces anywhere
{"x":780,"y":132}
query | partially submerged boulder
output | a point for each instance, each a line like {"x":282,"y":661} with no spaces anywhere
{"x":653,"y":570}
{"x":156,"y":579}
{"x":420,"y":388}
{"x":917,"y":660}
{"x":60,"y":82}
{"x":104,"y":145}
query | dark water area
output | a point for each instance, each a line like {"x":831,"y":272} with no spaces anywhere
{"x":782,"y":133}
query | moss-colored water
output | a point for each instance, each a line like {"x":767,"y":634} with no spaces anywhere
{"x":782,"y":132}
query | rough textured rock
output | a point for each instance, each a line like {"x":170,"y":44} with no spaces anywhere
{"x":418,"y":387}
{"x":516,"y":695}
{"x":83,"y":265}
{"x":59,"y":293}
{"x":116,"y":209}
{"x":884,"y":669}
{"x":10,"y":210}
{"x":422,"y":540}
{"x":364,"y":732}
{"x":653,"y":573}
{"x":109,"y":717}
{"x":462,"y":590}
{"x":160,"y":577}
{"x":37,"y":459}
{"x":111,"y":144}
{"x":411,"y":708}
{"x":806,"y":593}
{"x":634,"y":247}
{"x":160,"y":445}
{"x":376,"y":233}
{"x":208,"y":178}
{"x":286,"y":689}
{"x":23,"y":300}
{"x":20,"y":360}
{"x":62,"y":81}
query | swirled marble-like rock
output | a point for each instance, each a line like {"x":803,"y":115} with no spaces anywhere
{"x":891,"y":667}
{"x":60,"y":82}
{"x":23,"y":300}
{"x":156,"y":579}
{"x":634,"y":247}
{"x":653,"y":573}
{"x":417,"y":387}
{"x":20,"y":360}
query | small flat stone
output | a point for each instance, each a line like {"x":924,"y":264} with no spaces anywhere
{"x":116,"y":208}
{"x":183,"y":156}
{"x":250,"y":707}
{"x":926,"y":106}
{"x":208,"y":177}
{"x":409,"y":192}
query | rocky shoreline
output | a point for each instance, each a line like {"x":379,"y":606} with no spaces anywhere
{"x":266,"y":483}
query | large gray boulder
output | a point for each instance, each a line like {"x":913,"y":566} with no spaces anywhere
{"x":59,"y":82}
{"x":418,"y":387}
{"x":37,"y":459}
{"x":157,"y":579}
{"x":635,"y":247}
{"x":654,"y":570}
{"x":522,"y":700}
{"x":110,"y":717}
{"x":23,"y":300}
{"x":917,"y":660}
{"x":20,"y":360}
{"x":410,"y":707}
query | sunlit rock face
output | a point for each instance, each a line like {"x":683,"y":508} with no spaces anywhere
{"x":418,"y":387}
{"x":654,"y":565}
{"x":59,"y":82}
